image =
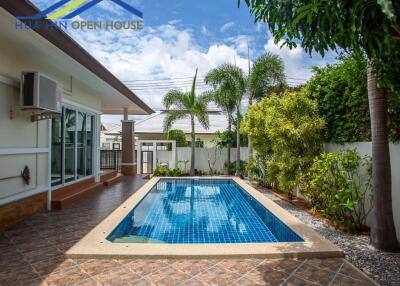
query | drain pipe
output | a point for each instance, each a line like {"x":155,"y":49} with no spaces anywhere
{"x":49,"y":166}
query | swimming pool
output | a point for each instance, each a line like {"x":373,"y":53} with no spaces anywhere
{"x":200,"y":211}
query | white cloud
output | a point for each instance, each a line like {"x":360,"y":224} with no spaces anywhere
{"x":227,"y":26}
{"x":241,"y":43}
{"x":297,"y":62}
{"x":205,"y":31}
{"x":165,"y":52}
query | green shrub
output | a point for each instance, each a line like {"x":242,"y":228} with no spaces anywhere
{"x":162,"y":171}
{"x":232,"y":167}
{"x":333,"y":185}
{"x":287,"y":133}
{"x":179,"y":136}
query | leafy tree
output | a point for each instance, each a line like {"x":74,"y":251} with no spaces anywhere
{"x":266,"y":74}
{"x":179,"y":136}
{"x":187,"y":105}
{"x":369,"y":26}
{"x":229,"y":83}
{"x":342,"y":97}
{"x":227,"y":104}
{"x":286,"y":130}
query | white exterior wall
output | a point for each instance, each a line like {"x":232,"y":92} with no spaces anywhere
{"x":365,"y":148}
{"x":203,"y":154}
{"x":23,"y":142}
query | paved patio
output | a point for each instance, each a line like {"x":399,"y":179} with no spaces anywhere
{"x":32,"y":253}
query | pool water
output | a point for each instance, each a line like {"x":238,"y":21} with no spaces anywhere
{"x":190,"y":211}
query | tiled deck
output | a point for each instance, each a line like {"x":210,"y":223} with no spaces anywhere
{"x":32,"y":253}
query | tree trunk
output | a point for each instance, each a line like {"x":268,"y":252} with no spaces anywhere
{"x":237,"y":174}
{"x":192,"y":161}
{"x":250,"y":144}
{"x":228,"y":147}
{"x":383,"y":232}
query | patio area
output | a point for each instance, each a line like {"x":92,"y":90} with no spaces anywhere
{"x":32,"y":253}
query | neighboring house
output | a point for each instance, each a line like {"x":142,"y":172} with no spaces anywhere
{"x":151,"y":128}
{"x":64,"y":150}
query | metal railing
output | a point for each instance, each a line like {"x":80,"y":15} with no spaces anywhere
{"x":110,"y":160}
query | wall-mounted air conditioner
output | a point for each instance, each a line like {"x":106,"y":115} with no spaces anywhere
{"x":40,"y":93}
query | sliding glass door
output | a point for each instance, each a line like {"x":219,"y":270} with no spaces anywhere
{"x":72,"y":146}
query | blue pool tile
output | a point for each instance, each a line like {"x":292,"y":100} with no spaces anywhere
{"x":202,"y":211}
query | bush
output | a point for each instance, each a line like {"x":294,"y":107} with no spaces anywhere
{"x":162,"y":171}
{"x":232,"y":167}
{"x":287,"y":133}
{"x":179,"y":136}
{"x":334,"y":187}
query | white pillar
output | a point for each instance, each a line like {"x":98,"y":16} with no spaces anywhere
{"x":139,"y":157}
{"x":174,"y":154}
{"x":154,"y":155}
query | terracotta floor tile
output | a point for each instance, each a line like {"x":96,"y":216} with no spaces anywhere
{"x":352,"y":272}
{"x":167,"y":276}
{"x":297,"y":281}
{"x":342,"y":280}
{"x":146,"y":266}
{"x":240,"y":266}
{"x":194,"y":282}
{"x":193,"y":267}
{"x":314,"y":274}
{"x":96,"y":266}
{"x":217,"y":275}
{"x":48,"y":266}
{"x":19,"y":276}
{"x":331,"y":264}
{"x":287,"y":265}
{"x":12,"y":265}
{"x":246,"y":282}
{"x":65,"y":277}
{"x":117,"y":276}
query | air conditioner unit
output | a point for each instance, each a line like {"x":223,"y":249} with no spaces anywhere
{"x":40,"y":93}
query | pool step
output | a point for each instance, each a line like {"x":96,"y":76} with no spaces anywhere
{"x":66,"y":196}
{"x":111,"y":178}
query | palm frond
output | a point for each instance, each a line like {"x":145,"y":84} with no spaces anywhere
{"x":172,"y":116}
{"x":268,"y":71}
{"x":175,"y":98}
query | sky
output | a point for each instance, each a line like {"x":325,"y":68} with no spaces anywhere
{"x":178,"y":37}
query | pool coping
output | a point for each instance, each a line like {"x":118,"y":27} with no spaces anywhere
{"x":95,"y":244}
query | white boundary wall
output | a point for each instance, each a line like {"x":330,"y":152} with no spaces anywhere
{"x":365,"y":148}
{"x":203,"y":154}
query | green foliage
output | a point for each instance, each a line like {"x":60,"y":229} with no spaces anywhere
{"x":232,"y":167}
{"x":341,"y":93}
{"x":266,"y":74}
{"x":222,"y":139}
{"x":333,"y":186}
{"x":287,"y":132}
{"x":162,"y":171}
{"x":179,"y":136}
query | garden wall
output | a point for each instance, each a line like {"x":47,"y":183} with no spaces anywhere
{"x":203,"y":154}
{"x":365,"y":148}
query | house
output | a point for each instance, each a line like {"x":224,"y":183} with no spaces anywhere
{"x":151,"y":128}
{"x":57,"y":152}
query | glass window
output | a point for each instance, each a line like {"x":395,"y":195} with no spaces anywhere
{"x":56,"y":151}
{"x":81,"y":145}
{"x":69,"y":144}
{"x":89,"y":144}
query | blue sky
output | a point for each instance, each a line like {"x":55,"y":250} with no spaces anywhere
{"x":178,"y":36}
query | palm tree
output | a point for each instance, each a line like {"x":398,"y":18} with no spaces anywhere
{"x":267,"y":72}
{"x":187,"y":105}
{"x":229,"y":85}
{"x":227,"y":104}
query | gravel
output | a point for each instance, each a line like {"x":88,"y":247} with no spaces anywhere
{"x":383,"y":267}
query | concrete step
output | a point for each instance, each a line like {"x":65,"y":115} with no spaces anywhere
{"x":64,"y":198}
{"x":114,"y":180}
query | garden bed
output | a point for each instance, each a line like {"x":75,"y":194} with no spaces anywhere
{"x":381,"y":266}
